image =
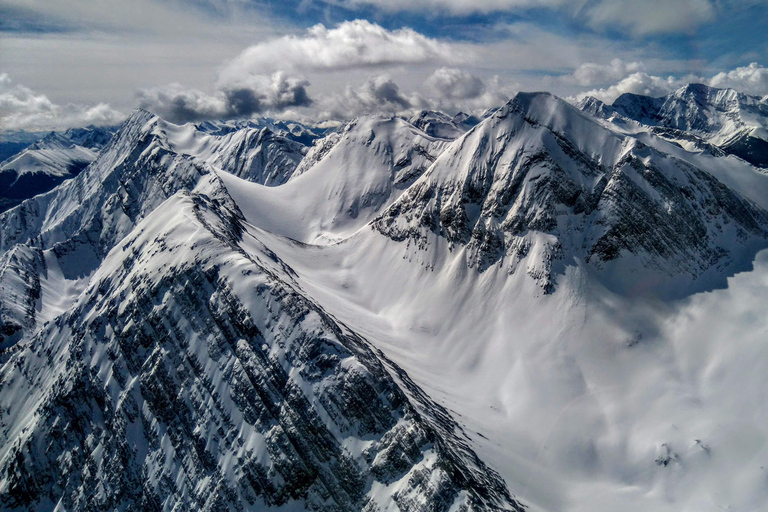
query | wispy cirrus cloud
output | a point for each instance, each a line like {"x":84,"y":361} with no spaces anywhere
{"x":454,"y":7}
{"x":648,"y":16}
{"x":640,"y":18}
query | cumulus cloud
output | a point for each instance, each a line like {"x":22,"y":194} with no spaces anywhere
{"x":636,"y":83}
{"x":377,"y":94}
{"x":21,"y":108}
{"x":256,"y":95}
{"x":449,"y":90}
{"x":590,"y":73}
{"x":454,"y":83}
{"x":352,"y":44}
{"x":752,"y":79}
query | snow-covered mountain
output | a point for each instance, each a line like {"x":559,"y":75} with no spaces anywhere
{"x":320,"y":420}
{"x":49,"y":161}
{"x":539,"y":184}
{"x":727,"y":119}
{"x":550,"y":308}
{"x":14,"y":142}
{"x":442,"y":125}
{"x":265,"y":152}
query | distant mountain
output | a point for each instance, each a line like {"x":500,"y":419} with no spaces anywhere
{"x":443,"y":126}
{"x":298,"y":132}
{"x":12,"y":143}
{"x":734,"y":122}
{"x":49,"y":161}
{"x":266,"y":153}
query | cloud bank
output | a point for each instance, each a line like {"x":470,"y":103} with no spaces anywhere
{"x":752,"y":79}
{"x":455,"y":84}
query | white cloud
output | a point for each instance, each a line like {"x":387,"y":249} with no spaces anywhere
{"x":589,"y":73}
{"x":23,"y":109}
{"x":636,"y":83}
{"x":454,"y":83}
{"x":352,"y":44}
{"x":377,"y":94}
{"x":752,"y":79}
{"x":257,"y":95}
{"x":454,"y":90}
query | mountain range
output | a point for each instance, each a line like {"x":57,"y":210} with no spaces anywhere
{"x":550,"y":306}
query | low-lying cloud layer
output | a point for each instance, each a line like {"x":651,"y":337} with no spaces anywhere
{"x":378,"y":94}
{"x":455,"y":84}
{"x":363,"y":68}
{"x":21,"y":108}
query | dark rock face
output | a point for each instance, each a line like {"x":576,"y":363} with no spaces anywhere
{"x":516,"y":185}
{"x":20,"y":270}
{"x":751,"y":149}
{"x":638,"y":107}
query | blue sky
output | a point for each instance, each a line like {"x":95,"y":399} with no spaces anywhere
{"x":67,"y":62}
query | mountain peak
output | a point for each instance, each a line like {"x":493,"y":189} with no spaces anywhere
{"x":140,"y":115}
{"x":698,"y":89}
